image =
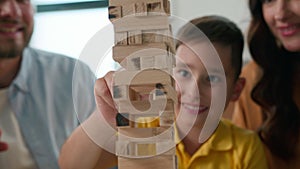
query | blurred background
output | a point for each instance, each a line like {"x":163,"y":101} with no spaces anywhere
{"x":66,"y":26}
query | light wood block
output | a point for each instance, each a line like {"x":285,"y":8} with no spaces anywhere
{"x":156,"y":133}
{"x":167,"y":119}
{"x":115,"y":12}
{"x":143,"y":7}
{"x":135,"y":37}
{"x":142,"y":108}
{"x":121,"y":38}
{"x":149,"y":76}
{"x":131,"y":23}
{"x":120,"y":52}
{"x":157,"y":162}
{"x":140,"y":9}
{"x":144,"y":149}
{"x":138,"y":142}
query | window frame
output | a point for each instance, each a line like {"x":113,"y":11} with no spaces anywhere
{"x":71,"y":6}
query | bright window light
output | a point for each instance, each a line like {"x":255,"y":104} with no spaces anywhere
{"x":67,"y":32}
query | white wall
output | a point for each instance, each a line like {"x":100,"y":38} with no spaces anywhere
{"x":236,"y":10}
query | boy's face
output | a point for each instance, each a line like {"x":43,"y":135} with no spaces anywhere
{"x":195,"y":84}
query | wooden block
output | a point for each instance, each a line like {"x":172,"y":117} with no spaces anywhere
{"x":156,"y":36}
{"x":140,"y":9}
{"x":132,"y":23}
{"x":145,"y":107}
{"x":133,"y":149}
{"x":120,"y":92}
{"x":154,"y":7}
{"x":122,"y":119}
{"x":134,"y":37}
{"x":149,"y":59}
{"x":115,"y":12}
{"x":120,"y":52}
{"x":167,"y":118}
{"x":169,"y":92}
{"x":145,"y":142}
{"x":132,"y":93}
{"x":146,"y":122}
{"x":121,"y":38}
{"x":125,"y":92}
{"x":167,"y":6}
{"x":133,"y":63}
{"x":135,"y":134}
{"x":157,"y":162}
{"x":136,"y":81}
{"x":160,"y":92}
{"x":164,"y":61}
{"x":144,"y":149}
{"x":149,"y":76}
{"x":162,"y":6}
{"x":135,"y":107}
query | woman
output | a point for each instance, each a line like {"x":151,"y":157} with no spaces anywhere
{"x":270,"y":102}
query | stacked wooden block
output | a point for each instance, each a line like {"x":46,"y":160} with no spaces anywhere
{"x":144,"y":91}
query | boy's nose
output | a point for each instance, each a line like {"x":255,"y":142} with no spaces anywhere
{"x":193,"y":90}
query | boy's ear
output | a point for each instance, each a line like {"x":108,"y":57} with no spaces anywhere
{"x":238,"y":88}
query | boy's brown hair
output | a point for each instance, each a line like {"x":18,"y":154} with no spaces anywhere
{"x":218,"y":30}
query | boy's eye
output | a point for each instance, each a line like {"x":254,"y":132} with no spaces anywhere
{"x":213,"y":79}
{"x":184,"y":73}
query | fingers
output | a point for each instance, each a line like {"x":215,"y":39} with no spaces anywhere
{"x":104,"y":100}
{"x":103,"y":90}
{"x":3,"y":145}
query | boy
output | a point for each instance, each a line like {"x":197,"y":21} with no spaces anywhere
{"x":202,"y":81}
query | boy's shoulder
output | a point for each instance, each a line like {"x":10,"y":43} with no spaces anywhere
{"x":236,"y":131}
{"x":241,"y":138}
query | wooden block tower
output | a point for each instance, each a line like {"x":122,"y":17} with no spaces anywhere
{"x":144,"y":91}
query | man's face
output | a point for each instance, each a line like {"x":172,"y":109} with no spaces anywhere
{"x":16,"y":26}
{"x":198,"y":73}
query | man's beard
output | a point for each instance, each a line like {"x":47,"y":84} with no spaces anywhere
{"x":11,"y":52}
{"x":13,"y":49}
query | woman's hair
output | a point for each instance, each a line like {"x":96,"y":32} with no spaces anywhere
{"x":273,"y":92}
{"x":217,"y":29}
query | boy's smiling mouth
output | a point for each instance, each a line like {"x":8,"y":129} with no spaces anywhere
{"x":193,"y":109}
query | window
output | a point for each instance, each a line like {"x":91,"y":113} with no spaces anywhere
{"x":67,"y":31}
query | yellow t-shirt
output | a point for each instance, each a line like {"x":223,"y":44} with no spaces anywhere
{"x":229,"y":147}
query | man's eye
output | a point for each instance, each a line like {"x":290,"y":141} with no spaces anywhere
{"x":267,"y":1}
{"x":24,"y":1}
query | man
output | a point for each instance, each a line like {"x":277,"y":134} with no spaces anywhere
{"x":43,"y":96}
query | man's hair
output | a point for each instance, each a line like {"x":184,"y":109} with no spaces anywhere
{"x":218,"y":30}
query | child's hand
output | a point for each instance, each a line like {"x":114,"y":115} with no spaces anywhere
{"x":3,"y":145}
{"x":104,"y":100}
